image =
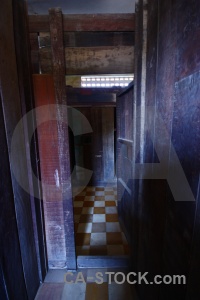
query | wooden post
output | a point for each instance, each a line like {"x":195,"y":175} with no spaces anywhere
{"x":58,"y":63}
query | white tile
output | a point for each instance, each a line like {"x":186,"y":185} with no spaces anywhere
{"x":110,"y":198}
{"x":119,"y":291}
{"x":75,"y":291}
{"x":87,"y":210}
{"x":78,"y":203}
{"x":107,"y":188}
{"x":99,"y":193}
{"x":99,"y":203}
{"x":84,"y":228}
{"x":111,"y":210}
{"x":113,"y":227}
{"x":98,"y":239}
{"x":55,"y":276}
{"x":98,"y":218}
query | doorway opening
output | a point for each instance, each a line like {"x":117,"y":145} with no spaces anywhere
{"x":96,"y":222}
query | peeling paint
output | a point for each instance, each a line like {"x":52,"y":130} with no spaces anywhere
{"x":57,"y":180}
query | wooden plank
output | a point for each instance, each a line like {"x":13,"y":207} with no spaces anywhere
{"x":50,"y":291}
{"x":12,"y":283}
{"x":193,"y":290}
{"x":151,"y":196}
{"x":174,"y":247}
{"x":3,"y":287}
{"x":94,"y":22}
{"x":49,"y":164}
{"x":93,"y":90}
{"x":90,"y":39}
{"x":11,"y":89}
{"x":34,"y":52}
{"x":125,"y":159}
{"x":92,"y":60}
{"x":103,"y":262}
{"x":93,"y":98}
{"x":125,"y":141}
{"x":185,"y":135}
{"x":26,"y":95}
{"x":58,"y":63}
{"x":187,"y":87}
{"x":99,"y":22}
{"x":188,"y":54}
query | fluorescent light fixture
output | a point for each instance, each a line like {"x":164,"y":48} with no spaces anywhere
{"x":106,"y":80}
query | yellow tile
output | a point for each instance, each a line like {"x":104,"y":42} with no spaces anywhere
{"x":96,"y":291}
{"x":114,"y":238}
{"x":110,"y":203}
{"x":111,"y":218}
{"x":99,"y":210}
{"x":82,"y":239}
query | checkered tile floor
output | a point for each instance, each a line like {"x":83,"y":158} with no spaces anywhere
{"x":56,"y":288}
{"x":97,"y":229}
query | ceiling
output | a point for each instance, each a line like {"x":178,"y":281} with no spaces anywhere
{"x":81,"y":6}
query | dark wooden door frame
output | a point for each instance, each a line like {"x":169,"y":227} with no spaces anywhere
{"x":16,"y":101}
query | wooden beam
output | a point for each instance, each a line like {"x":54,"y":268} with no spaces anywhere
{"x":58,"y":63}
{"x":90,"y":91}
{"x":92,"y":60}
{"x":92,"y":99}
{"x":57,"y":54}
{"x":90,"y":39}
{"x":89,"y":22}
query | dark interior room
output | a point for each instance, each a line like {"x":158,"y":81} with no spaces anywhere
{"x":100,"y":150}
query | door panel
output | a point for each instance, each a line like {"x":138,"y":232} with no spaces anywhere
{"x":95,"y":151}
{"x":125,"y":159}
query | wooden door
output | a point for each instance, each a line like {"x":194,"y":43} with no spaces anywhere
{"x":95,"y":151}
{"x":125,"y":159}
